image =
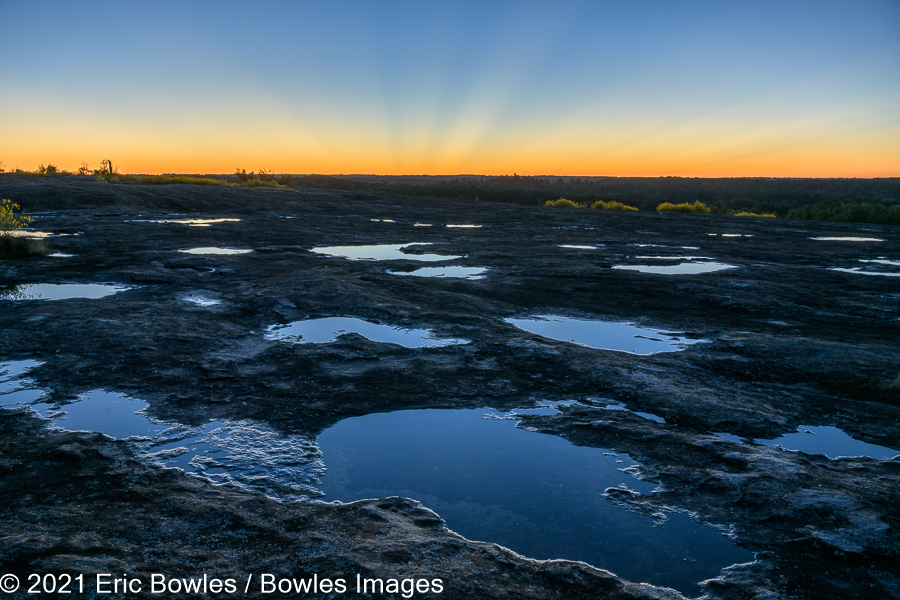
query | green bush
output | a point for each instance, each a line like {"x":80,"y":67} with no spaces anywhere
{"x":9,"y":220}
{"x":696,"y":207}
{"x":562,"y":202}
{"x":612,"y":205}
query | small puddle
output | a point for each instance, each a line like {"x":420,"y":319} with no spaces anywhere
{"x":381,"y":252}
{"x":197,"y":222}
{"x":645,"y":415}
{"x":212,"y":250}
{"x":15,"y":387}
{"x":674,"y":257}
{"x":329,"y":329}
{"x":201,"y":300}
{"x":686,"y":268}
{"x":471,"y":273}
{"x":830,"y":441}
{"x":847,"y":239}
{"x":537,"y":494}
{"x":860,"y":271}
{"x":881,"y":263}
{"x":28,"y":233}
{"x":603,"y":335}
{"x":60,"y":291}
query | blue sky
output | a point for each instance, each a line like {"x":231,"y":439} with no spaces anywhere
{"x":593,"y":88}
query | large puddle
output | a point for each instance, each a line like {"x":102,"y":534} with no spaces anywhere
{"x":329,"y":329}
{"x":534,"y":493}
{"x":685,"y":268}
{"x":604,"y":335}
{"x":381,"y":252}
{"x":830,"y":441}
{"x":449,"y":272}
{"x":60,"y":291}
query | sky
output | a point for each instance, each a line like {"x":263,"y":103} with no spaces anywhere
{"x":641,"y":88}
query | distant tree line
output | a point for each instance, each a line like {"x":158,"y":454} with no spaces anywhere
{"x":856,"y":200}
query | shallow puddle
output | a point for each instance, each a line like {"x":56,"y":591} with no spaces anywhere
{"x":201,"y":300}
{"x":329,"y":329}
{"x":674,"y":257}
{"x":381,"y":252}
{"x":215,"y":251}
{"x":449,"y":272}
{"x":15,"y":387}
{"x":197,"y":222}
{"x":603,"y":335}
{"x":645,"y":415}
{"x":687,"y":268}
{"x":60,"y":291}
{"x":537,"y":494}
{"x":28,"y":233}
{"x":847,"y":239}
{"x":241,"y":452}
{"x":830,"y":441}
{"x":860,"y":271}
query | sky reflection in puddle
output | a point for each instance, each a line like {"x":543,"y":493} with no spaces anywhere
{"x":242,"y":452}
{"x":687,"y":268}
{"x":60,"y":291}
{"x":201,"y":300}
{"x":603,"y":335}
{"x":197,"y":222}
{"x":537,"y":494}
{"x":212,"y":250}
{"x":381,"y":252}
{"x":830,"y":441}
{"x":471,"y":273}
{"x":329,"y":329}
{"x":859,"y":271}
{"x":846,"y":239}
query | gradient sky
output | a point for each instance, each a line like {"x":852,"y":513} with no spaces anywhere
{"x":646,"y":88}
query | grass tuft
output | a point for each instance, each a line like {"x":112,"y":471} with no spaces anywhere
{"x":753,"y":214}
{"x":170,"y":179}
{"x":16,"y":247}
